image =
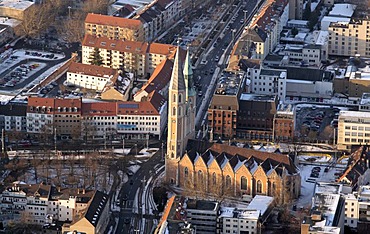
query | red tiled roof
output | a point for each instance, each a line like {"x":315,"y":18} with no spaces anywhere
{"x":133,"y":47}
{"x":99,"y":109}
{"x":92,"y":18}
{"x":150,"y":106}
{"x":160,"y":77}
{"x":91,"y":70}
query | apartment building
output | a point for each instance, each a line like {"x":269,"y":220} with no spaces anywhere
{"x":353,"y":129}
{"x":140,"y":58}
{"x":91,"y":76}
{"x":307,"y":55}
{"x":203,"y":215}
{"x":350,"y":38}
{"x":114,"y":27}
{"x":13,"y":117}
{"x":264,"y":31}
{"x":235,"y":220}
{"x":224,"y":106}
{"x":41,"y":204}
{"x":72,"y":118}
{"x":269,"y":82}
{"x":357,"y":215}
{"x":284,"y":124}
{"x":295,"y":9}
{"x":40,"y":115}
{"x":99,"y":120}
{"x":327,"y":210}
{"x":255,"y":116}
{"x":138,"y":119}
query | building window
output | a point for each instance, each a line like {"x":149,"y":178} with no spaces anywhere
{"x":174,"y":111}
{"x":243,"y":183}
{"x":259,"y":186}
{"x":186,"y":172}
{"x":214,"y":178}
{"x":228,"y":181}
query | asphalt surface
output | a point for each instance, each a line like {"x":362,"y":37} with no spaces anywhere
{"x":49,"y":63}
{"x":205,"y":71}
{"x":128,"y":193}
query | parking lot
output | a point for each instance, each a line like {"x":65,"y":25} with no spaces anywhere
{"x":316,"y":123}
{"x":22,"y":68}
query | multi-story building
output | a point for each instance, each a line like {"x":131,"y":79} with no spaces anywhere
{"x":353,"y":129}
{"x":99,"y":120}
{"x":295,"y":9}
{"x":308,"y":55}
{"x":40,"y":204}
{"x":114,"y":27}
{"x":235,"y":220}
{"x":223,"y":110}
{"x":264,"y":32}
{"x":91,"y":76}
{"x":284,"y":124}
{"x":269,"y":82}
{"x":357,"y":205}
{"x":349,"y":38}
{"x":13,"y":117}
{"x":255,"y":116}
{"x":203,"y":215}
{"x":17,"y":9}
{"x":72,"y":118}
{"x":95,"y":217}
{"x":67,"y":118}
{"x":142,"y":118}
{"x":40,"y":115}
{"x":155,"y":16}
{"x":327,"y":210}
{"x":140,"y":58}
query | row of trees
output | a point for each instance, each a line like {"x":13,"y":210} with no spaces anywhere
{"x":58,"y":14}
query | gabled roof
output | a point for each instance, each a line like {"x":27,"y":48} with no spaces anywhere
{"x":151,"y":106}
{"x":96,"y":207}
{"x":160,"y":77}
{"x":92,"y":70}
{"x":99,"y":109}
{"x":98,"y":19}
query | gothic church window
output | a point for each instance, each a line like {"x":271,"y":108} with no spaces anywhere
{"x":259,"y":186}
{"x":180,"y":97}
{"x":174,"y":111}
{"x":174,"y":98}
{"x":228,"y":181}
{"x":243,"y":183}
{"x":214,"y":178}
{"x":186,"y":172}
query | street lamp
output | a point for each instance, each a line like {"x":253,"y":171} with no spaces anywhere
{"x":69,"y":11}
{"x":233,"y":35}
{"x":245,"y":15}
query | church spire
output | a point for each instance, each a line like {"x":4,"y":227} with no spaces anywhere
{"x":177,"y":79}
{"x":188,"y":74}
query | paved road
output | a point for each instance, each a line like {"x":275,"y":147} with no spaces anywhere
{"x":205,"y":71}
{"x":128,"y":193}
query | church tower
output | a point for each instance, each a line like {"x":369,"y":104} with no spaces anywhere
{"x":190,"y":98}
{"x":176,"y":138}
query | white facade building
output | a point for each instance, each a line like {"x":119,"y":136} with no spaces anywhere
{"x":91,"y":76}
{"x":269,"y":82}
{"x":239,"y":220}
{"x":353,"y":128}
{"x":309,"y":55}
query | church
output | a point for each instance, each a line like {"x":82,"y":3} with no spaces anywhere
{"x":218,"y":169}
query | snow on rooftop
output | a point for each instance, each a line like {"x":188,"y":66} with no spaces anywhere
{"x":327,"y":187}
{"x":322,"y":37}
{"x":343,"y":10}
{"x":9,"y":22}
{"x":231,"y":212}
{"x":227,"y":212}
{"x":16,"y":4}
{"x":327,"y":203}
{"x":354,"y":114}
{"x":260,"y":203}
{"x":326,"y":20}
